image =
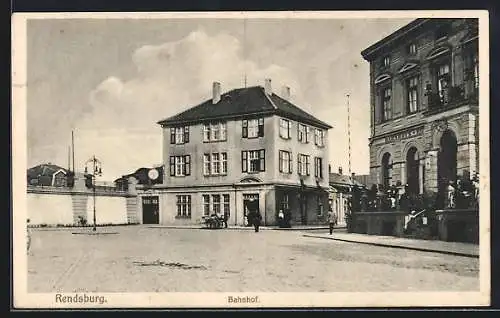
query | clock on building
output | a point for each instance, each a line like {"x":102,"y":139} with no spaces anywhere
{"x":153,"y":174}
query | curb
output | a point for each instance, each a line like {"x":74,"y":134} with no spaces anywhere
{"x":397,"y":246}
{"x":204,"y":228}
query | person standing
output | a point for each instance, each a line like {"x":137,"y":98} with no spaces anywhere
{"x":332,"y":218}
{"x":257,"y":218}
{"x":281,"y":219}
{"x":226,"y":218}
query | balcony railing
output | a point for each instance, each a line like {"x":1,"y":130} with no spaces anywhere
{"x":451,"y":97}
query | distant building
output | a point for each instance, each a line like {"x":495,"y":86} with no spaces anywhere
{"x":48,"y":174}
{"x":341,"y":187}
{"x":143,"y":176}
{"x":424,"y":84}
{"x":246,"y":149}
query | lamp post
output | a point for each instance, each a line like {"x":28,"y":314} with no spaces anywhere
{"x":96,"y":171}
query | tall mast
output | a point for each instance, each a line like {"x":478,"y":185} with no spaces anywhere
{"x":349,"y":133}
{"x":245,"y":52}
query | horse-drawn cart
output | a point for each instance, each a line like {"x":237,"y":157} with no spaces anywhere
{"x":213,"y":222}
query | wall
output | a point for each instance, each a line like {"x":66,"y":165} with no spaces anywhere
{"x":63,"y":206}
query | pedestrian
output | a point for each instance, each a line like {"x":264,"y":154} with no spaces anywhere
{"x":257,"y":218}
{"x":332,"y":219}
{"x":450,"y":195}
{"x":281,"y":219}
{"x":226,"y":218}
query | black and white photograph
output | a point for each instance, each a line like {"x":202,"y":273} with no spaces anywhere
{"x":251,"y":159}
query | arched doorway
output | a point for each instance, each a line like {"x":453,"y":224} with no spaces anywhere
{"x":412,"y":175}
{"x":447,"y":162}
{"x":386,"y":170}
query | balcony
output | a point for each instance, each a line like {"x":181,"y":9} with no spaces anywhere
{"x":451,"y":97}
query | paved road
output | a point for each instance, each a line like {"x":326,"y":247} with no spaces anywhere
{"x":141,"y":259}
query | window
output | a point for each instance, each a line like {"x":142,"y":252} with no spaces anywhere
{"x":253,"y":161}
{"x":216,"y":203}
{"x":215,"y":164}
{"x":284,"y":202}
{"x":206,"y":164}
{"x":320,"y":206}
{"x":386,"y":170}
{"x":225,"y":207}
{"x":319,"y":137}
{"x":216,"y":131}
{"x":206,"y":204}
{"x":179,"y":135}
{"x":206,"y":132}
{"x":443,"y":77}
{"x":180,"y":166}
{"x":252,"y":128}
{"x":318,"y":167}
{"x":303,"y":165}
{"x":223,"y":161}
{"x":285,"y":159}
{"x":304,"y":133}
{"x":412,"y":88}
{"x":184,"y":206}
{"x":284,"y":128}
{"x":412,"y":49}
{"x":386,"y":61}
{"x":386,"y":104}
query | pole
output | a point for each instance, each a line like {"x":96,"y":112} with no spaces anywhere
{"x":244,"y":50}
{"x":94,"y":181}
{"x":73,"y":149}
{"x":69,"y":158}
{"x":349,"y":133}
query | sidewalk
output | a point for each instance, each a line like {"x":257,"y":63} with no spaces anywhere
{"x":236,"y":227}
{"x":452,"y":248}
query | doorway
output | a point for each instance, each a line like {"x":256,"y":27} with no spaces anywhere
{"x":412,"y":171}
{"x":150,"y":210}
{"x":250,"y":204}
{"x":447,"y":163}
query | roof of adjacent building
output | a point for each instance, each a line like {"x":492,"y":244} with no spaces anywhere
{"x":341,"y":179}
{"x":372,"y":49}
{"x":243,"y":102}
{"x":44,"y":169}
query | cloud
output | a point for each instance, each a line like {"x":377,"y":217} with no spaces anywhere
{"x":169,"y":78}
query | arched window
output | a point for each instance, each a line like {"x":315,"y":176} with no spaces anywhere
{"x":447,"y":161}
{"x":412,"y":166}
{"x":386,"y":170}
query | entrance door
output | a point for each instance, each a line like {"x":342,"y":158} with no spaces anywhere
{"x":447,"y":163}
{"x":150,"y":210}
{"x":303,"y":209}
{"x":250,"y":204}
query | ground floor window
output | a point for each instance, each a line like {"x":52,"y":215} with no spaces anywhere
{"x":320,"y":205}
{"x":284,"y":202}
{"x":215,"y":204}
{"x":184,"y":206}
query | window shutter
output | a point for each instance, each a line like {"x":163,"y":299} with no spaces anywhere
{"x":244,"y":161}
{"x":307,"y":164}
{"x":298,"y":133}
{"x":187,"y":165}
{"x":244,"y":132}
{"x":320,"y":168}
{"x":288,"y":128}
{"x":299,"y":163}
{"x":186,"y":134}
{"x":262,"y":158}
{"x":280,"y":161}
{"x":261,"y":127}
{"x":172,"y":166}
{"x":290,"y":162}
{"x":172,"y":135}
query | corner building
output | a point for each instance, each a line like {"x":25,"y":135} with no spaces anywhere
{"x":424,"y":81}
{"x":246,"y":149}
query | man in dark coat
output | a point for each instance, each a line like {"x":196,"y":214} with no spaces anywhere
{"x":257,"y":218}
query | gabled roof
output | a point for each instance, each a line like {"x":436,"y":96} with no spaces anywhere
{"x":340,"y":179}
{"x":45,"y":169}
{"x":243,"y":102}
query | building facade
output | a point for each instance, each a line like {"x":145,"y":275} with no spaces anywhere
{"x":247,"y":149}
{"x":424,"y":84}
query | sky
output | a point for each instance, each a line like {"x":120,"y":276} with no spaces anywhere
{"x":111,"y":81}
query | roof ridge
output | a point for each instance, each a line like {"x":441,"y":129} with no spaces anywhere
{"x":263,"y":90}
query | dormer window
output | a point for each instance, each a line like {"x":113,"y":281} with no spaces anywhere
{"x":412,"y":49}
{"x":387,"y":61}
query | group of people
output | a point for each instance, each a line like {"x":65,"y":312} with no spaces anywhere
{"x":464,"y":193}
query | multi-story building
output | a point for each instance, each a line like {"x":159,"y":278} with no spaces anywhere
{"x":245,"y":149}
{"x":424,"y":81}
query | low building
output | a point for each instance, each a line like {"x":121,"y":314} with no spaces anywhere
{"x":341,"y":187}
{"x":243,"y":150}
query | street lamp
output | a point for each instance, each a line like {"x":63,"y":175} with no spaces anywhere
{"x":97,"y":171}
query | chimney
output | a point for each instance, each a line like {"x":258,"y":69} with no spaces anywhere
{"x":215,"y":93}
{"x":267,"y":86}
{"x":285,"y":92}
{"x":329,"y":168}
{"x":340,"y":170}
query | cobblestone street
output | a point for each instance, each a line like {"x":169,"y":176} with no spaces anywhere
{"x":142,"y":259}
